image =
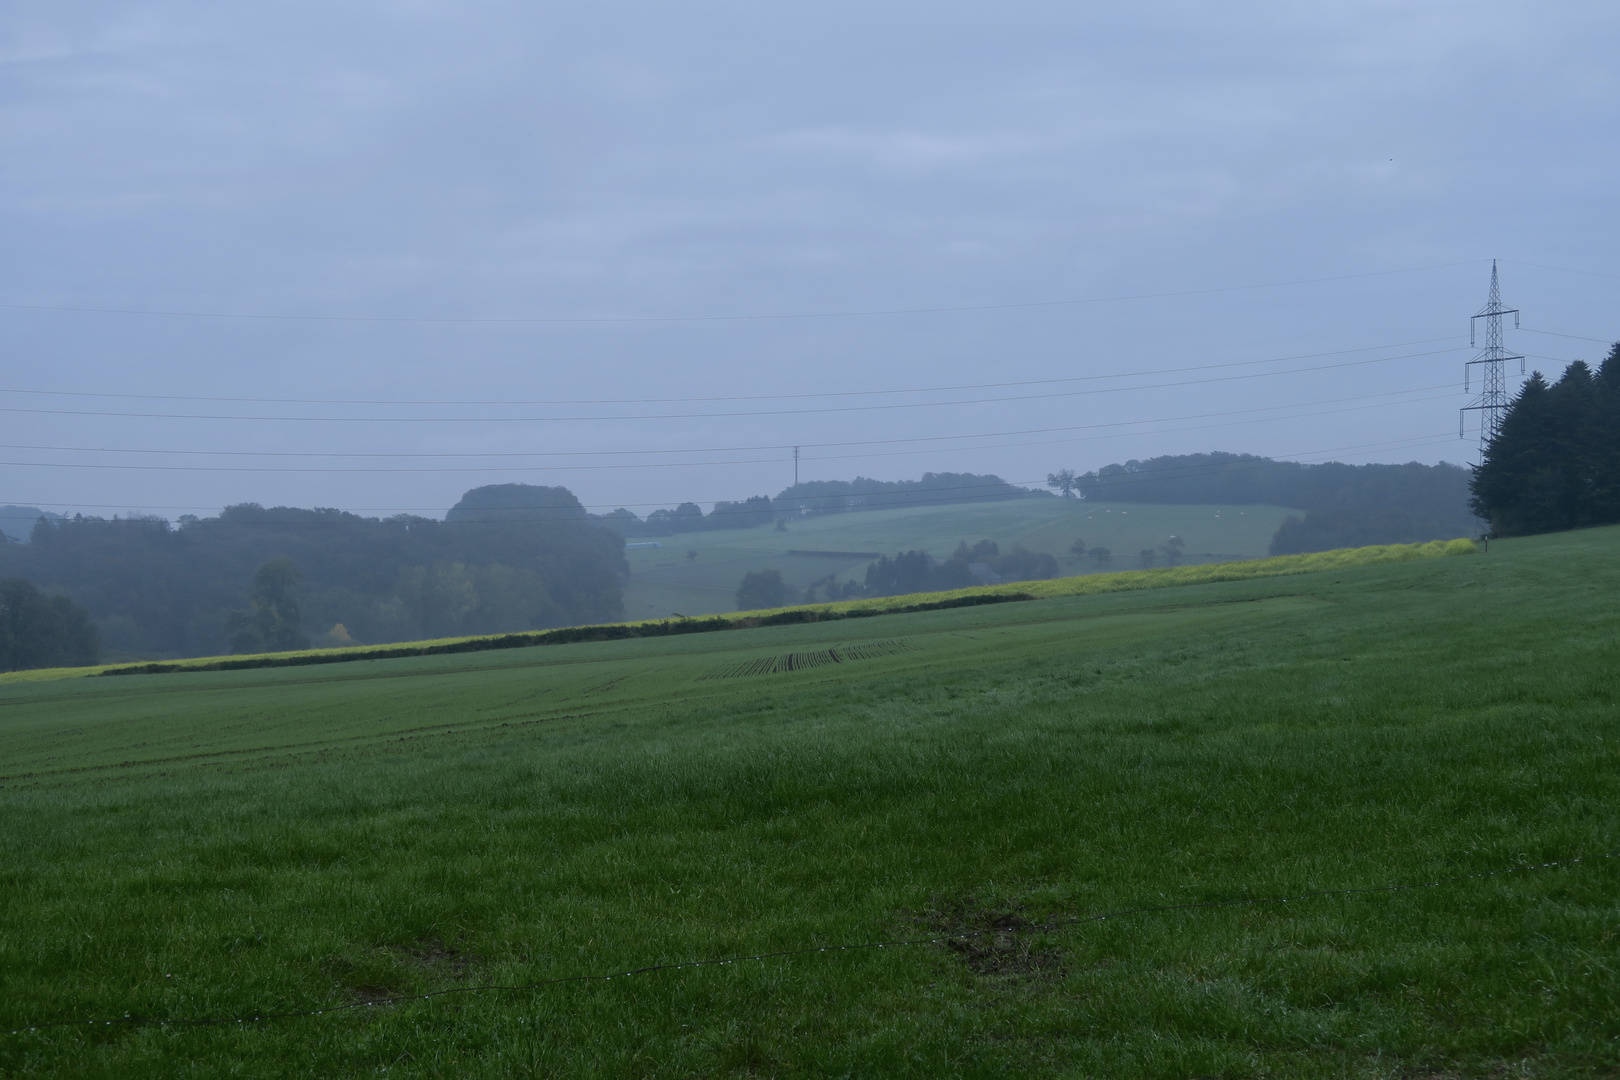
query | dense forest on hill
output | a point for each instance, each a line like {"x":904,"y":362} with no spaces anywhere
{"x":1235,"y":479}
{"x":189,"y":588}
{"x":809,"y":497}
{"x":933,"y":489}
{"x":1345,"y":505}
{"x":748,"y":513}
{"x":1555,"y":464}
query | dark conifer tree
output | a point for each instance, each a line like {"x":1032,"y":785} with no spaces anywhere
{"x":1605,"y":439}
{"x":1556,"y":462}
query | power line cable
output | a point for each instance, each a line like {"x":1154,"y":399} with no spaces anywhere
{"x":738,"y":397}
{"x":777,"y":954}
{"x":1559,"y":269}
{"x":712,"y":415}
{"x":936,"y":310}
{"x":484,"y":470}
{"x":1423,"y":440}
{"x":912,"y":496}
{"x":676,"y":464}
{"x":1574,"y":337}
{"x":755,"y":448}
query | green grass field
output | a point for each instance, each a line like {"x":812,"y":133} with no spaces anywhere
{"x":664,"y":581}
{"x":228,"y":844}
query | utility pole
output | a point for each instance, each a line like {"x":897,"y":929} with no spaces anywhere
{"x":1492,"y":402}
{"x":795,"y":466}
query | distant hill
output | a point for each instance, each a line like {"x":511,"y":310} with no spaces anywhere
{"x":809,"y":498}
{"x":517,"y":502}
{"x":17,"y":522}
{"x":934,"y":489}
{"x":1346,"y":505}
{"x":699,"y":572}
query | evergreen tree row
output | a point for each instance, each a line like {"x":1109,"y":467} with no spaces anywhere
{"x":1555,"y":464}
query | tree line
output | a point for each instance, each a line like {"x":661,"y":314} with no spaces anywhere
{"x":862,"y":493}
{"x":1555,"y":462}
{"x":1344,"y":505}
{"x":908,"y":572}
{"x":256,"y":578}
{"x":815,"y":497}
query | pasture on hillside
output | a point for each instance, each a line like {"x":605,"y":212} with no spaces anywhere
{"x":980,"y":782}
{"x":664,"y":581}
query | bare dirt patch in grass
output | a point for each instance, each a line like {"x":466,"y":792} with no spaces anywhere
{"x":999,"y":941}
{"x":395,"y":971}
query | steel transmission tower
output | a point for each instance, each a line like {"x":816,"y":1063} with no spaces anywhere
{"x":1492,"y":402}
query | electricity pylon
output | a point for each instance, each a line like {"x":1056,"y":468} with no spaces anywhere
{"x":1492,"y":402}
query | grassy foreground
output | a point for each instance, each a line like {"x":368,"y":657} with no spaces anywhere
{"x":220,"y":844}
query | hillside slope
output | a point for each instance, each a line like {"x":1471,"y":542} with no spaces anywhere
{"x":664,"y":580}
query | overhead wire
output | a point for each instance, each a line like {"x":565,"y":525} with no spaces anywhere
{"x":735,"y":397}
{"x":1574,"y":337}
{"x":713,"y":415}
{"x":529,"y":469}
{"x":751,"y":448}
{"x":1559,"y":269}
{"x":911,"y":496}
{"x":498,"y":454}
{"x":686,"y":464}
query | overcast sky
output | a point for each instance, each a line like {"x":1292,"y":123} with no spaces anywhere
{"x":589,"y":211}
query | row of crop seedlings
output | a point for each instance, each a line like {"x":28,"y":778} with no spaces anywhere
{"x":804,"y":661}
